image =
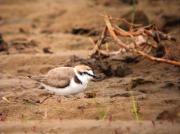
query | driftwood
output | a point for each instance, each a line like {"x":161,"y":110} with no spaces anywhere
{"x":143,"y":40}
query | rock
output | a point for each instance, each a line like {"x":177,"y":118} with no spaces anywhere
{"x":141,"y":97}
{"x":122,"y":71}
{"x":172,"y":51}
{"x":169,"y":22}
{"x":125,"y":94}
{"x":3,"y":44}
{"x":80,"y":31}
{"x":166,"y":22}
{"x":90,"y":95}
{"x":171,"y":101}
{"x":169,"y":115}
{"x":22,"y":45}
{"x":115,"y":70}
{"x":106,"y":69}
{"x":168,"y":84}
{"x":145,"y":90}
{"x":129,"y":2}
{"x":81,"y":107}
{"x":140,"y":81}
{"x":140,"y":18}
{"x":130,"y":59}
{"x":160,"y":51}
{"x":83,"y":31}
{"x":122,"y":93}
{"x":23,"y":31}
{"x":47,"y":50}
{"x":47,"y":31}
{"x":115,"y":2}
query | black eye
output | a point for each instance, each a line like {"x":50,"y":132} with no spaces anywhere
{"x":86,"y":73}
{"x":80,"y":73}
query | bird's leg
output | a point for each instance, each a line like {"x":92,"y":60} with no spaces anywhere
{"x":68,"y":96}
{"x":61,"y":98}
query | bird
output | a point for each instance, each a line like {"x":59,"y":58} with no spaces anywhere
{"x":66,"y":80}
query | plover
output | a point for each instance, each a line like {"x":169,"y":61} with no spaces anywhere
{"x":66,"y":80}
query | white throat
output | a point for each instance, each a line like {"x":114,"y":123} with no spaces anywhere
{"x":83,"y":78}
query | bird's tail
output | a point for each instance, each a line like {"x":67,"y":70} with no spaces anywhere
{"x":36,"y":78}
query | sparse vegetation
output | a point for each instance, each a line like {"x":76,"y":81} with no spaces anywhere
{"x":132,"y":45}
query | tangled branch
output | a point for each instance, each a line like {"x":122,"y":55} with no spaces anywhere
{"x":143,"y":40}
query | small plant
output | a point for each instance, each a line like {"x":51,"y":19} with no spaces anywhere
{"x":101,"y":114}
{"x":135,"y":108}
{"x":102,"y":111}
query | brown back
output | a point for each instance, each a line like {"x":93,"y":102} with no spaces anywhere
{"x":59,"y":77}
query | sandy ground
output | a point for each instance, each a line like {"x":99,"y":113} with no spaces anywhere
{"x":29,"y":26}
{"x":89,"y":127}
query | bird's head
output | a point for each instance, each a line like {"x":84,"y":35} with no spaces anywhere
{"x":85,"y":72}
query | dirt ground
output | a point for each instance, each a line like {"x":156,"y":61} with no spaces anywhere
{"x":42,"y":34}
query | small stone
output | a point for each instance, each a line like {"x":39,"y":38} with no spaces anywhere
{"x":129,"y":2}
{"x":3,"y":44}
{"x":47,"y":50}
{"x":90,"y":95}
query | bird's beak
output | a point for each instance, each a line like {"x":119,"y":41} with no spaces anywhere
{"x":92,"y":75}
{"x":95,"y":78}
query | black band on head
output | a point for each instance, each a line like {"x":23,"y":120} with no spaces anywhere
{"x":81,"y":73}
{"x":89,"y":74}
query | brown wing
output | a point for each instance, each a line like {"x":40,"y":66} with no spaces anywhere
{"x":59,"y":77}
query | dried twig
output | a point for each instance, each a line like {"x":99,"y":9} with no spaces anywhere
{"x":139,"y":37}
{"x":5,"y":99}
{"x":99,"y":43}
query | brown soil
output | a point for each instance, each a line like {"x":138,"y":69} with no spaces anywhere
{"x":44,"y":34}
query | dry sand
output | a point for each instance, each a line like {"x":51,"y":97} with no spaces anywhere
{"x":48,"y":23}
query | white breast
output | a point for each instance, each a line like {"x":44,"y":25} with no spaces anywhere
{"x":73,"y":88}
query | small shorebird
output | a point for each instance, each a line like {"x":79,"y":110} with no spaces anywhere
{"x":66,"y":80}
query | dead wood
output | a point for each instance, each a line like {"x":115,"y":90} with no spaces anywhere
{"x":143,"y":40}
{"x":139,"y":41}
